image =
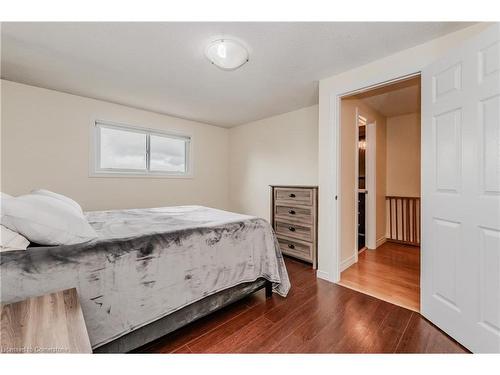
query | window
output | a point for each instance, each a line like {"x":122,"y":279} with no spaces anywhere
{"x":125,"y":150}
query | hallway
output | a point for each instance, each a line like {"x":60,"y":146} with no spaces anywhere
{"x":390,"y":273}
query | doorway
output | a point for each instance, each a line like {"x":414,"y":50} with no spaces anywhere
{"x":380,"y":192}
{"x":460,"y":189}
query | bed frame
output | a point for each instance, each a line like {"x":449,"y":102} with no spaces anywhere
{"x":136,"y":339}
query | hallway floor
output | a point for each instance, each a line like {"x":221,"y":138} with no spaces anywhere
{"x":390,"y":273}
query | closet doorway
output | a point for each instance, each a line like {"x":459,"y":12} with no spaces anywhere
{"x":380,"y":192}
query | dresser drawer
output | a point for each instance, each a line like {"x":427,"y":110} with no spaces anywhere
{"x":300,"y":231}
{"x":294,"y":196}
{"x":303,"y":214}
{"x":301,"y":250}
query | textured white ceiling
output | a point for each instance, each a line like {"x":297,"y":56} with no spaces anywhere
{"x":162,"y":67}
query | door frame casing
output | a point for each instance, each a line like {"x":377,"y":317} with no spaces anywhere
{"x":350,"y":88}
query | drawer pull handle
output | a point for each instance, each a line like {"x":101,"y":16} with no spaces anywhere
{"x":291,"y":212}
{"x":291,"y":229}
{"x":290,"y":246}
{"x":292,"y":195}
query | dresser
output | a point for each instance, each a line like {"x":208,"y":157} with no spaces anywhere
{"x":294,"y":216}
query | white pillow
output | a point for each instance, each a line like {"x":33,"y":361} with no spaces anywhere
{"x":10,"y":240}
{"x":45,"y":220}
{"x":61,"y":197}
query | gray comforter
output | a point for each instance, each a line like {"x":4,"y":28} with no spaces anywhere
{"x":146,"y":264}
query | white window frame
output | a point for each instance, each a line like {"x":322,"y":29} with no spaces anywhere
{"x":97,"y":171}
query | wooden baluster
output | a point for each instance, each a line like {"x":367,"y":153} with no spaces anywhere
{"x":412,"y":238}
{"x":396,"y":218}
{"x":415,"y":221}
{"x":390,"y":217}
{"x":408,"y":239}
{"x":404,"y":217}
{"x":419,"y":223}
{"x":402,"y":214}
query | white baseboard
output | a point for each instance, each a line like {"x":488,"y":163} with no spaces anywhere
{"x":381,"y":241}
{"x":346,"y":263}
{"x":325,"y":276}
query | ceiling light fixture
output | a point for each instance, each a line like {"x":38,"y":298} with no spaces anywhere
{"x":227,"y":54}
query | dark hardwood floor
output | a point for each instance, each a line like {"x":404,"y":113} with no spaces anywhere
{"x":316,"y":317}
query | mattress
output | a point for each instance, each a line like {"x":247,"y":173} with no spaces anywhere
{"x":148,"y":263}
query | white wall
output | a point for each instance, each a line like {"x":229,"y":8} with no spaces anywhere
{"x":45,"y":139}
{"x":278,"y":150}
{"x":403,"y":63}
{"x":403,"y":155}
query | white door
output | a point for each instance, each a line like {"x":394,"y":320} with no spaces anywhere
{"x":461,"y":192}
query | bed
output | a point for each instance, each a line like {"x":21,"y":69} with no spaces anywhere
{"x":151,"y":271}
